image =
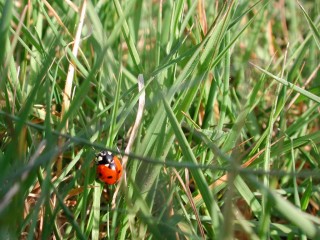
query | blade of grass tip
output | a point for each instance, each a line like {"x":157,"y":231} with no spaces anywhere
{"x":297,"y":142}
{"x":305,"y":118}
{"x":117,"y":28}
{"x":290,"y":85}
{"x":129,"y":39}
{"x":294,"y":178}
{"x":38,"y":32}
{"x":313,"y":27}
{"x":281,"y":99}
{"x":252,"y":101}
{"x":202,"y":17}
{"x":56,"y":16}
{"x":306,"y":195}
{"x":238,"y":19}
{"x":294,"y":61}
{"x":56,"y":33}
{"x":13,"y":84}
{"x":199,"y":53}
{"x":138,"y":117}
{"x":16,"y":35}
{"x":174,"y":24}
{"x":5,"y":25}
{"x":266,"y":207}
{"x":26,"y":33}
{"x":210,"y":50}
{"x":223,"y":52}
{"x":289,"y":211}
{"x":28,"y":103}
{"x":189,"y":156}
{"x":83,"y":89}
{"x":70,"y":216}
{"x":248,"y":196}
{"x":98,"y":29}
{"x":215,"y":35}
{"x":159,"y":35}
{"x":123,"y":116}
{"x":310,"y":78}
{"x":292,"y":15}
{"x":115,"y":108}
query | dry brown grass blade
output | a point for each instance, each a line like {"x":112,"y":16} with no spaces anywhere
{"x":132,"y":137}
{"x":138,"y":119}
{"x":71,"y":69}
{"x":202,"y":16}
{"x":56,"y":16}
{"x":193,"y":206}
{"x":69,"y":79}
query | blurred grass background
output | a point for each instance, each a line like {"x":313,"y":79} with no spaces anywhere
{"x":228,"y":146}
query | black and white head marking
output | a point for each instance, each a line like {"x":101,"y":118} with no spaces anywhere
{"x":106,"y":158}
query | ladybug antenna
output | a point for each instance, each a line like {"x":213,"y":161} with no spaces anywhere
{"x":93,"y":148}
{"x":119,"y":152}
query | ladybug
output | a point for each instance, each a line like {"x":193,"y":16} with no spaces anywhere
{"x":109,"y":168}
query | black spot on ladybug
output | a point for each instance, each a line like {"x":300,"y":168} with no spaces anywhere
{"x":119,"y":171}
{"x":109,"y":177}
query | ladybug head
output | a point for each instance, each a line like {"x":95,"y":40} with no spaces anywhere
{"x":104,"y":157}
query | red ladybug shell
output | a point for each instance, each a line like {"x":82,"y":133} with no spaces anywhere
{"x":109,"y":168}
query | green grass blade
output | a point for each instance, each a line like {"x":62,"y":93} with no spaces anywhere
{"x":290,"y":85}
{"x":313,"y":27}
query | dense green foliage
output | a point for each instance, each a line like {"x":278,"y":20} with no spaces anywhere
{"x":228,"y":145}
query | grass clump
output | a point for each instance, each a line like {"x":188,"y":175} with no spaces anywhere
{"x":228,"y":142}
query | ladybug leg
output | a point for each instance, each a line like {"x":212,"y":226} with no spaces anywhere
{"x":106,"y":193}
